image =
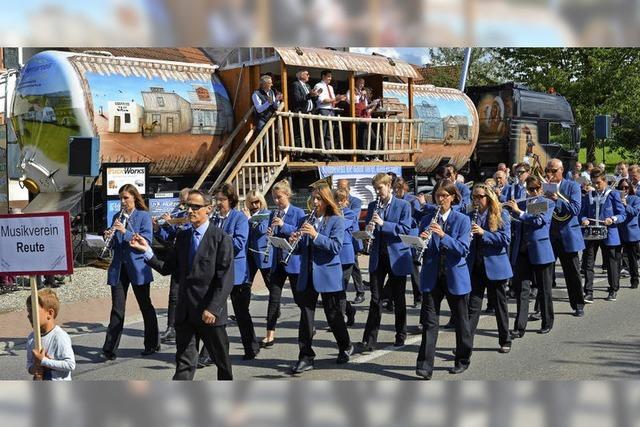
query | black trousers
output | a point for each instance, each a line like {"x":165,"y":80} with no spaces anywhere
{"x":497,"y":296}
{"x":415,"y":280}
{"x":240,"y":299}
{"x":612,"y":256}
{"x":542,"y":277}
{"x":398,"y":286}
{"x":571,"y":269}
{"x":356,"y":274}
{"x":331,"y":302}
{"x":118,"y":304}
{"x":214,"y":339}
{"x":278,"y":277}
{"x":347,"y":270}
{"x":253,"y":269}
{"x":174,"y":289}
{"x":632,"y":251}
{"x":429,"y":318}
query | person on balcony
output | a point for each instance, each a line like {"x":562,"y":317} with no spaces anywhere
{"x":303,"y":100}
{"x":266,"y":102}
{"x":326,"y":104}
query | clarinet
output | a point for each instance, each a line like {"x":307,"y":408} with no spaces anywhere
{"x":112,"y":231}
{"x":434,"y":220}
{"x":277,"y":214}
{"x":310,"y":220}
{"x":367,"y":247}
{"x":474,"y":219}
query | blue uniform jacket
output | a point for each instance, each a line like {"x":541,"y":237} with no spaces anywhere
{"x":535,"y":230}
{"x":324,"y":252}
{"x":291,"y":220}
{"x":258,"y":241}
{"x":397,"y":220}
{"x":569,"y":230}
{"x":455,"y":245}
{"x":465,"y":195}
{"x":236,"y":226}
{"x":168,"y":232}
{"x":629,"y":231}
{"x":138,"y":271}
{"x":355,"y":204}
{"x":513,"y":191}
{"x":347,"y":254}
{"x":495,"y":250}
{"x":612,"y":207}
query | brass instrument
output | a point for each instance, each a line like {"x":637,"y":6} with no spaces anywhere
{"x":310,"y":220}
{"x":371,"y":226}
{"x":537,"y":170}
{"x":112,"y":232}
{"x":172,"y":219}
{"x":279,"y":213}
{"x":523,"y":199}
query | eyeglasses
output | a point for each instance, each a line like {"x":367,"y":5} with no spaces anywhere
{"x":549,"y":170}
{"x":479,"y":196}
{"x":520,"y":172}
{"x":624,"y":187}
{"x":442,"y":195}
{"x":532,"y":189}
{"x":194,"y":207}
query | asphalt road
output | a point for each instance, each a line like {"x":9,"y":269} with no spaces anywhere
{"x":605,"y":344}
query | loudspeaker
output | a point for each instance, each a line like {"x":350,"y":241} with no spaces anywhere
{"x":603,"y":127}
{"x":84,"y":156}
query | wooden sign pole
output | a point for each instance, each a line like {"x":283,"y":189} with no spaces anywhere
{"x":35,"y":317}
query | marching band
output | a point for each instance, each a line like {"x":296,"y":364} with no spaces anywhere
{"x":499,"y":241}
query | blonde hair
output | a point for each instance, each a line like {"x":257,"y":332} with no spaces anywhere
{"x":47,"y":299}
{"x":381,"y":178}
{"x":254,"y":194}
{"x":494,"y":217}
{"x":282,"y":186}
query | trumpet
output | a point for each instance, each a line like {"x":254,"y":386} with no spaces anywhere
{"x":371,"y":226}
{"x":173,"y":220}
{"x":122,"y":216}
{"x":310,"y":220}
{"x":279,"y":213}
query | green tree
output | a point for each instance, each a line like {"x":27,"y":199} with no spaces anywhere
{"x":484,"y":69}
{"x":594,"y":80}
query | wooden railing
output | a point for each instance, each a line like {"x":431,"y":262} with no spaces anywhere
{"x":310,"y":133}
{"x":258,"y":165}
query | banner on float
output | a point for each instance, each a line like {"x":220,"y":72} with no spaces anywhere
{"x":115,"y":175}
{"x":35,"y":244}
{"x":359,"y":178}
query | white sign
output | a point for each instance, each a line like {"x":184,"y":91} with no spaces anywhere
{"x":118,"y":176}
{"x":38,"y":243}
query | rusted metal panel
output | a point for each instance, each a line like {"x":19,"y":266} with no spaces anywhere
{"x":347,"y":61}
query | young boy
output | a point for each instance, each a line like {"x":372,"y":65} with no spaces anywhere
{"x":56,"y":360}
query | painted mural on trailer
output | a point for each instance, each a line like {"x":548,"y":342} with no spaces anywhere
{"x":494,"y":109}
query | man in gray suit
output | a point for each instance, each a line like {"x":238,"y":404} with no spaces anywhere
{"x":202,"y":258}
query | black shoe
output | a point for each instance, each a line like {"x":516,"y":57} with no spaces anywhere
{"x":301,"y":366}
{"x":107,"y":356}
{"x":490,"y":310}
{"x":504,"y":349}
{"x":343,"y":356}
{"x":578,"y":313}
{"x":544,"y":331}
{"x":458,"y":369}
{"x":449,"y":325}
{"x":387,"y":305}
{"x":399,"y":342}
{"x":423,"y":373}
{"x":364,"y":347}
{"x":168,"y":336}
{"x":417,"y":302}
{"x":588,"y":299}
{"x":204,"y":360}
{"x":535,"y":317}
{"x":612,"y":296}
{"x":366,"y":284}
{"x":516,"y":333}
{"x":150,"y":351}
{"x":351,"y":315}
{"x":267,"y":344}
{"x":358,"y":299}
{"x":250,"y":356}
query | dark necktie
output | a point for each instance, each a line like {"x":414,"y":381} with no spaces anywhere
{"x":195,"y":242}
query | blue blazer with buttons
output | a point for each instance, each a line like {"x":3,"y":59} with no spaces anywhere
{"x":138,"y":271}
{"x":612,"y":207}
{"x":455,"y":245}
{"x":324,"y":251}
{"x":495,"y":250}
{"x":513,"y":191}
{"x":535,"y":230}
{"x":347,"y":254}
{"x":397,"y":220}
{"x":570,"y":231}
{"x":629,"y":230}
{"x":291,"y":221}
{"x":258,"y":241}
{"x":236,"y":226}
{"x":355,"y":204}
